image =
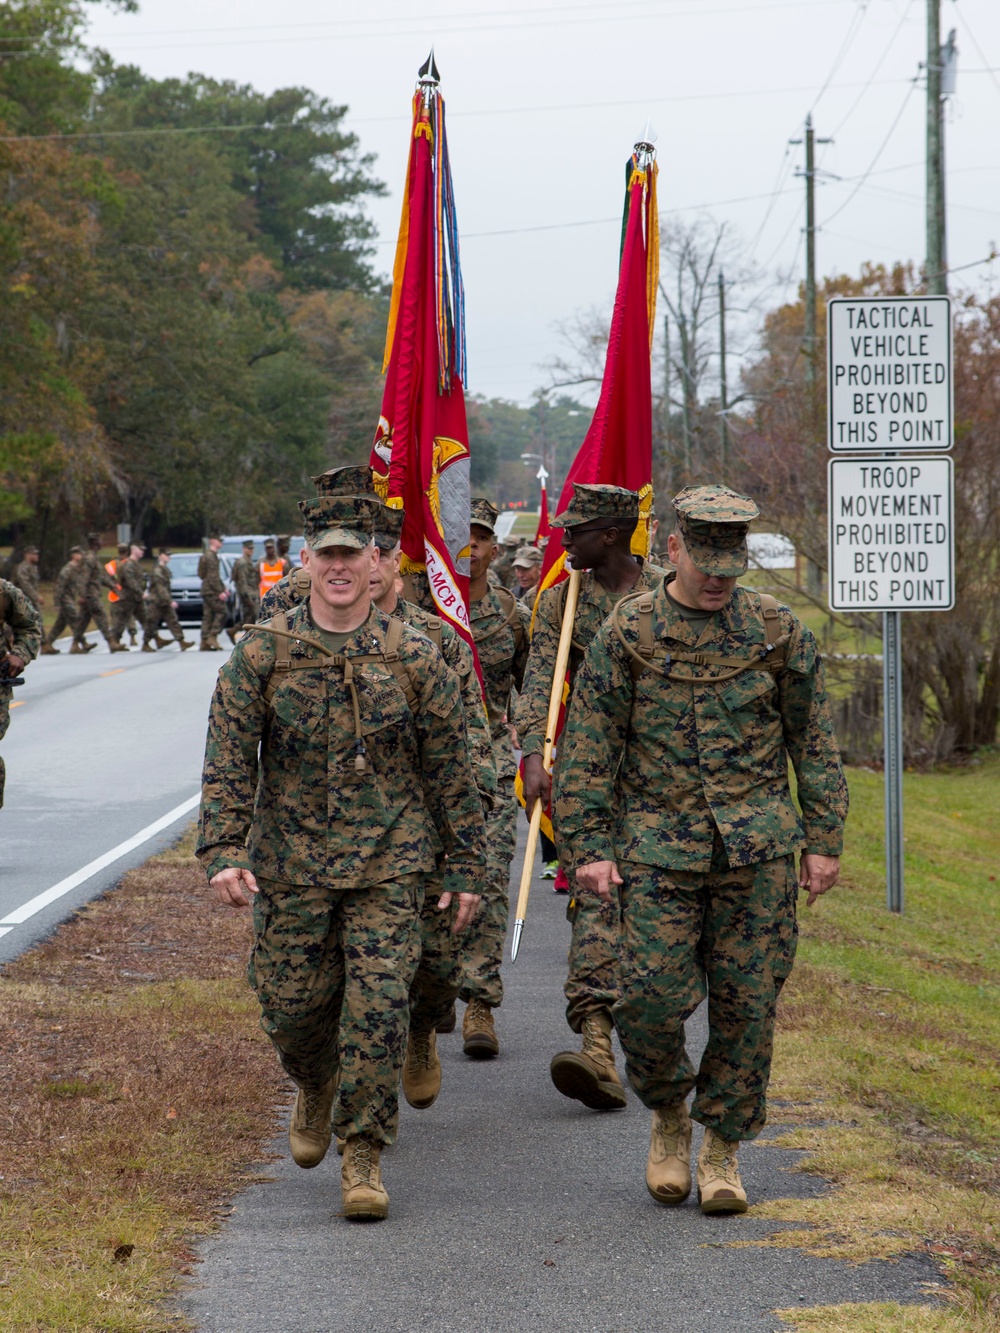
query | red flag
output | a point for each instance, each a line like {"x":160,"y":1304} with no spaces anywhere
{"x":618,"y":447}
{"x":544,"y":531}
{"x":420,"y":456}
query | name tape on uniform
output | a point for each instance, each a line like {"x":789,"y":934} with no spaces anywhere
{"x":891,"y":534}
{"x":889,"y":374}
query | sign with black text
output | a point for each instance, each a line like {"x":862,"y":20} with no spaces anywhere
{"x":889,"y":380}
{"x":891,"y":534}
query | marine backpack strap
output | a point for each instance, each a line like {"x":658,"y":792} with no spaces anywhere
{"x":432,"y":629}
{"x":649,"y":652}
{"x":301,"y":582}
{"x":396,"y":664}
{"x":511,"y":620}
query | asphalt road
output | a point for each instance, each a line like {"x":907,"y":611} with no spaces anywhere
{"x":101,"y":748}
{"x":513,"y":1208}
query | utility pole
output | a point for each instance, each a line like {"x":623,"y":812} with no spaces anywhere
{"x":723,"y":390}
{"x":809,"y":338}
{"x":685,"y":395}
{"x":941,"y":70}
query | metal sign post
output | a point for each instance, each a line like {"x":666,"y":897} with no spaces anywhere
{"x":892,"y":739}
{"x":891,"y":514}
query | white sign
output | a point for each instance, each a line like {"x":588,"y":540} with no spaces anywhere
{"x":889,"y":380}
{"x":891,"y":534}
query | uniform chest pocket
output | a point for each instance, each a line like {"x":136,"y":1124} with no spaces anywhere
{"x":496,"y":650}
{"x":299,"y":708}
{"x":382,"y":703}
{"x":749,"y":692}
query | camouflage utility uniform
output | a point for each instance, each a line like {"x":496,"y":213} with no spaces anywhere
{"x":68,"y":596}
{"x":213,"y":607}
{"x":21,"y":628}
{"x":499,"y":625}
{"x":96,"y":582}
{"x":354,"y":799}
{"x":248,"y":589}
{"x":591,"y":983}
{"x":26,"y":578}
{"x":684,"y":785}
{"x":131,"y":601}
{"x":160,"y":605}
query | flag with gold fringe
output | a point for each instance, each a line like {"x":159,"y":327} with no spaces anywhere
{"x":420,"y":457}
{"x":618,"y":447}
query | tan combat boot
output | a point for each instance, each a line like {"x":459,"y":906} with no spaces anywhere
{"x":48,"y":650}
{"x":421,"y":1070}
{"x":668,"y":1167}
{"x":310,"y":1130}
{"x":185,"y":644}
{"x":720,"y":1189}
{"x":149,"y":647}
{"x":365,"y":1198}
{"x":589,"y":1075}
{"x":115,"y":646}
{"x":478,"y":1032}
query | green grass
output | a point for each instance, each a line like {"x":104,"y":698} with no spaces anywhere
{"x":886,"y":1055}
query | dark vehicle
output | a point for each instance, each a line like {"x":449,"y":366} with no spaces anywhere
{"x":233,"y":545}
{"x":185,"y":587}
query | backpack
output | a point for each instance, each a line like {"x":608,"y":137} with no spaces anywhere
{"x":772,"y":659}
{"x":284,"y":666}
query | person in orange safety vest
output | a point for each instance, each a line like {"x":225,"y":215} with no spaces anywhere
{"x":271,"y":568}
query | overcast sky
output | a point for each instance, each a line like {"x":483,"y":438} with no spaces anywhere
{"x":545,"y":101}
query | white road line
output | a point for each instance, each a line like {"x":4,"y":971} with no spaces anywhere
{"x":33,"y":905}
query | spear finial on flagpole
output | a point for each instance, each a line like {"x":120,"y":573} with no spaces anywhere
{"x":541,"y":474}
{"x":645,"y":148}
{"x":428,"y":71}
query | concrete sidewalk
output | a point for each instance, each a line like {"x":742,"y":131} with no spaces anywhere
{"x":513,"y":1208}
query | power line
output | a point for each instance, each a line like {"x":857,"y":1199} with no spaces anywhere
{"x":878,"y":154}
{"x":857,"y":19}
{"x":979,"y":49}
{"x":879,"y":63}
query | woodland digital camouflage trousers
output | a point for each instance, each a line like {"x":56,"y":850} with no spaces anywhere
{"x":213,"y":616}
{"x":592,"y":981}
{"x":332,"y":971}
{"x":730,"y":934}
{"x":4,"y":724}
{"x":438,"y":977}
{"x":482,"y":950}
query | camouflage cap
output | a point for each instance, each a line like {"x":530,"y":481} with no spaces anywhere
{"x":31,"y":550}
{"x":339,"y":520}
{"x":484,"y":514}
{"x":345,"y":481}
{"x":590,"y":503}
{"x":76,"y":550}
{"x":714,"y":521}
{"x":269,"y":541}
{"x":248,"y":544}
{"x":94,"y":538}
{"x":527,"y":556}
{"x":512,"y":542}
{"x":388,"y":527}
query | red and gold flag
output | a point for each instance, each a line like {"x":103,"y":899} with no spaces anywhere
{"x":420,"y":457}
{"x":618,"y":448}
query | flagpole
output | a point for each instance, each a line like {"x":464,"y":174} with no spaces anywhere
{"x":555,"y":703}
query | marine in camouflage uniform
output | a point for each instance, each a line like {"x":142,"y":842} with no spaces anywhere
{"x":247,"y":585}
{"x":68,"y":596}
{"x":597,"y":529}
{"x":213,"y":602}
{"x":21,"y":628}
{"x":309,"y":797}
{"x":502,"y":568}
{"x":673,"y":782}
{"x":160,"y":606}
{"x":26,"y":577}
{"x":438,"y":978}
{"x":131,"y":603}
{"x":97,"y":582}
{"x":499,"y":625}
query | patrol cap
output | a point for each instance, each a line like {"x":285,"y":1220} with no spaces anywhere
{"x":512,"y":542}
{"x":247,"y":545}
{"x":268,"y":541}
{"x":215,"y":535}
{"x":165,"y":550}
{"x":345,"y":481}
{"x":484,"y":514}
{"x":31,"y":550}
{"x":388,"y":527}
{"x":76,"y":550}
{"x":339,"y":520}
{"x":714,"y":521}
{"x":527,"y":556}
{"x":591,"y":502}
